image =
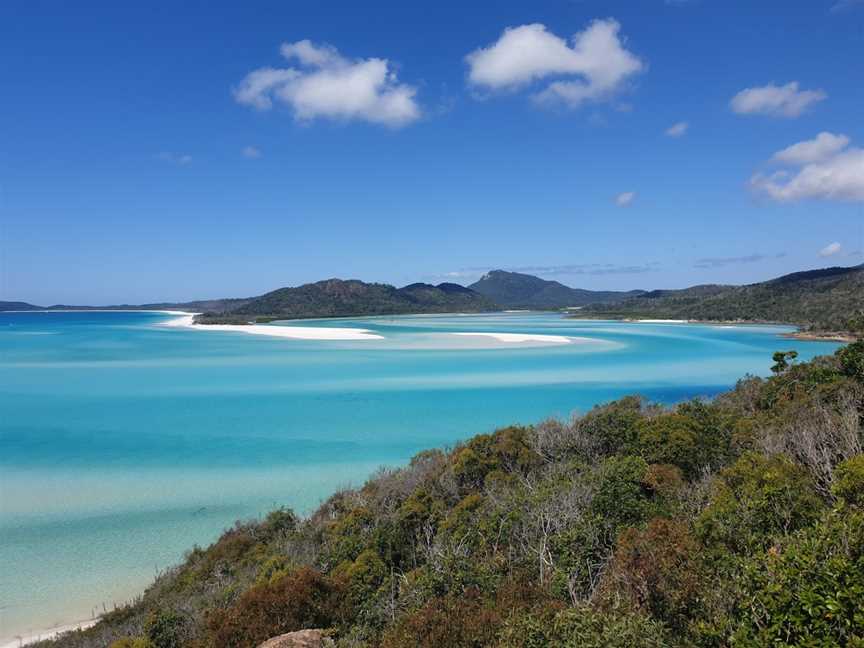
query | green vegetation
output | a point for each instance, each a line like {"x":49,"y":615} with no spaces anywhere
{"x":737,"y":522}
{"x":516,"y":290}
{"x":338,"y":298}
{"x":831,"y":299}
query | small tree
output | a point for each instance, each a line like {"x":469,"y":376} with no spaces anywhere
{"x":782,"y":360}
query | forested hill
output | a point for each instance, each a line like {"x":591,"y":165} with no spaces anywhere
{"x":197,"y":305}
{"x":827,"y":299}
{"x":736,"y":523}
{"x":341,"y":298}
{"x":516,"y":290}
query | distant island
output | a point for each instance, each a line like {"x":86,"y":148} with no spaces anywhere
{"x":824,"y":303}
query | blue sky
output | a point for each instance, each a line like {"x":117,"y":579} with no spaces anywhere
{"x":156,"y":151}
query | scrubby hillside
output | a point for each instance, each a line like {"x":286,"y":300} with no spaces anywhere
{"x":735,"y":522}
{"x":341,"y":298}
{"x":830,"y":299}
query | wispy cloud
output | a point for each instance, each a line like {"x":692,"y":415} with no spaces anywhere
{"x":775,"y":101}
{"x":181,"y":159}
{"x":722,"y":262}
{"x":831,"y":249}
{"x":251,"y":152}
{"x":677,"y":130}
{"x":625,"y":199}
{"x":843,"y":5}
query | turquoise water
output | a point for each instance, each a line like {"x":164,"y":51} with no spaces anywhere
{"x":123,"y":442}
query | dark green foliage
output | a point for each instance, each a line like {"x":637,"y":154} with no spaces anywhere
{"x":167,"y":629}
{"x":757,"y":500}
{"x":849,"y":482}
{"x":736,"y":522}
{"x":829,"y":300}
{"x":582,"y":627}
{"x":852,"y":360}
{"x":808,"y":590}
{"x":516,"y":290}
{"x":339,"y":298}
{"x":782,"y":359}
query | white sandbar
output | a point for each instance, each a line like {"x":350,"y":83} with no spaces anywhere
{"x":524,"y":337}
{"x":187,"y":320}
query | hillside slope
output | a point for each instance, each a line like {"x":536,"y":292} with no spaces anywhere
{"x":351,"y":298}
{"x":516,"y":290}
{"x":826,"y":299}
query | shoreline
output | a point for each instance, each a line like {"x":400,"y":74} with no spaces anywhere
{"x":49,"y":633}
{"x":187,"y":321}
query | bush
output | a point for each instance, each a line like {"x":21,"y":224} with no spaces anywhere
{"x":300,"y":600}
{"x":581,"y":627}
{"x":849,"y":481}
{"x":852,"y":360}
{"x":656,"y":571}
{"x":757,"y":500}
{"x":167,"y":629}
{"x":808,"y":591}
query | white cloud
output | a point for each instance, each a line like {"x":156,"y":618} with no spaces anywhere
{"x":822,"y":168}
{"x":251,"y":152}
{"x":327,"y":85}
{"x":677,"y":130}
{"x":774,"y":100}
{"x":625,"y":199}
{"x":831,"y":249}
{"x":528,"y":53}
{"x":824,"y":146}
{"x":181,"y":159}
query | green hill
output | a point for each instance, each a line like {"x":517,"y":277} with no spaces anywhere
{"x":351,"y":298}
{"x":737,"y":522}
{"x":516,"y":290}
{"x":827,"y":299}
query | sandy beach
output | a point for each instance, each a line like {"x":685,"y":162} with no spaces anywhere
{"x":187,"y":320}
{"x":50,"y":633}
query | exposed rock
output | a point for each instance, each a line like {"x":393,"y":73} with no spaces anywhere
{"x":299,"y":639}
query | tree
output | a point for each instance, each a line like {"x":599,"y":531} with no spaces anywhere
{"x":781,"y":361}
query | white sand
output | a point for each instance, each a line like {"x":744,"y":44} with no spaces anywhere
{"x":524,"y":337}
{"x":663,"y":321}
{"x":50,"y":633}
{"x":186,"y":320}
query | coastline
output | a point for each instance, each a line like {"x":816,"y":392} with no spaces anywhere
{"x":187,"y":321}
{"x":48,"y":633}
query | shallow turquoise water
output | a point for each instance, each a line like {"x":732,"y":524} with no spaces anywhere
{"x":123,"y":443}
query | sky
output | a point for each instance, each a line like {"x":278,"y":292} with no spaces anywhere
{"x":173,"y":151}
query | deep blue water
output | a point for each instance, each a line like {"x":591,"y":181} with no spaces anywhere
{"x":123,"y":442}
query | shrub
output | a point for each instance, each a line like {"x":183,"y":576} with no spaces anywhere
{"x":852,"y":360}
{"x":581,"y":627}
{"x":849,"y":481}
{"x":167,"y":629}
{"x":300,"y":600}
{"x":656,"y":571}
{"x":808,"y":590}
{"x":756,"y":500}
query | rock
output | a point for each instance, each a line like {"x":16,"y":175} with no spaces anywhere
{"x":299,"y":639}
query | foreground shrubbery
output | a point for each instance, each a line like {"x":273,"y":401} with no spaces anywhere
{"x":738,"y":522}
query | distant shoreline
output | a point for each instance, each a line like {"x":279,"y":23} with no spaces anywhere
{"x":48,"y":633}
